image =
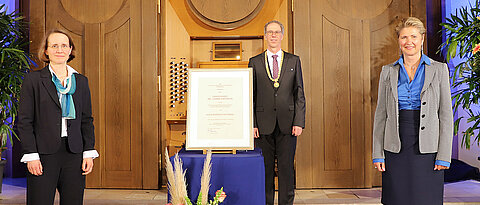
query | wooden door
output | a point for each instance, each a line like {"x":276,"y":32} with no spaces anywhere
{"x":342,"y":51}
{"x":116,"y":48}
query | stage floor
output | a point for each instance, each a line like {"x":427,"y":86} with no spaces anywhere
{"x":464,"y":192}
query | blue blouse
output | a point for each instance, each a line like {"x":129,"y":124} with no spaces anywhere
{"x":409,"y":92}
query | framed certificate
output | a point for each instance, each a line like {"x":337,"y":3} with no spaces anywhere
{"x":219,"y":109}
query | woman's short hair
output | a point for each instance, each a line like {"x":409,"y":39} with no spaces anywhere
{"x":44,"y":46}
{"x":410,"y":22}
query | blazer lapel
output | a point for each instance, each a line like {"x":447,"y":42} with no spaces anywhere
{"x":429,"y":73}
{"x":264,"y":66}
{"x":394,"y":80}
{"x":284,"y":63}
{"x":48,"y":84}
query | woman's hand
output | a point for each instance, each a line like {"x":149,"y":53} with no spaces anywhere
{"x":380,"y":166}
{"x":35,"y":167}
{"x":440,"y":167}
{"x":87,"y":165}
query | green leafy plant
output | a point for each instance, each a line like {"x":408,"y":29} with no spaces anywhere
{"x":462,"y":32}
{"x":14,"y":63}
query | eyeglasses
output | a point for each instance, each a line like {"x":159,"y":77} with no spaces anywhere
{"x":270,"y":33}
{"x":63,"y":46}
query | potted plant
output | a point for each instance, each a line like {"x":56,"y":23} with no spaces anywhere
{"x":462,"y":32}
{"x":14,"y":63}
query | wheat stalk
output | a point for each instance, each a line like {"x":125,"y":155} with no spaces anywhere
{"x":206,"y":175}
{"x":180,"y":182}
{"x":175,"y":198}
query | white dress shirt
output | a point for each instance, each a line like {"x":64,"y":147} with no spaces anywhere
{"x":270,"y":60}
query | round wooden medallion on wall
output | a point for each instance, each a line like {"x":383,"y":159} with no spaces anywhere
{"x":225,"y":14}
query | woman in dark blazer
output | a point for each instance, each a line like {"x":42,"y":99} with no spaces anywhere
{"x":413,"y":126}
{"x":55,"y":125}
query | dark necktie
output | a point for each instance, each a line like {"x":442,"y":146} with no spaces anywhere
{"x":275,"y":67}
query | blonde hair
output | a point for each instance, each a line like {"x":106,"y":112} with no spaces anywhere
{"x":410,"y":22}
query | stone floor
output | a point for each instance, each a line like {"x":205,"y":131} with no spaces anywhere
{"x":464,"y":192}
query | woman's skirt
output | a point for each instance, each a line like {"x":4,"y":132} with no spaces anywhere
{"x":409,"y":177}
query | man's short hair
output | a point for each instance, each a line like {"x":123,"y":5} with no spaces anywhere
{"x":270,"y":22}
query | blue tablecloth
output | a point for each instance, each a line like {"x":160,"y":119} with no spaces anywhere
{"x":242,"y":176}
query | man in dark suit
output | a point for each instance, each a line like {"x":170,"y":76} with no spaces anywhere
{"x":279,"y":111}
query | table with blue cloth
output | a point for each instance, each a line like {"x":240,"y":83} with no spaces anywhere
{"x":241,"y":175}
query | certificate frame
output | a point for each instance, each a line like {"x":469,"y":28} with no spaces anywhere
{"x":220,"y":109}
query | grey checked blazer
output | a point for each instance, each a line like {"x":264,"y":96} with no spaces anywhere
{"x":436,"y":116}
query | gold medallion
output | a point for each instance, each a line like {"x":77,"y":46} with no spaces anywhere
{"x":276,"y":84}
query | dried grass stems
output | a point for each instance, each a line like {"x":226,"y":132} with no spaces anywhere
{"x":176,"y":180}
{"x":177,"y":185}
{"x":206,"y":175}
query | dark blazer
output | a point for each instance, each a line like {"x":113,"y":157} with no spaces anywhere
{"x":39,"y":115}
{"x":285,"y":104}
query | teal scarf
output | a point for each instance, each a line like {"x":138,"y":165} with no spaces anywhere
{"x":68,"y":108}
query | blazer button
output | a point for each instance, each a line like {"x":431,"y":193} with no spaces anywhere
{"x":422,"y":128}
{"x":424,"y":103}
{"x":423,"y":116}
{"x":274,"y":109}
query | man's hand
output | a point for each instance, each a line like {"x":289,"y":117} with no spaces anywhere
{"x":296,"y":131}
{"x":380,"y":166}
{"x":440,"y":167}
{"x":87,"y":166}
{"x":35,"y":167}
{"x":255,"y":132}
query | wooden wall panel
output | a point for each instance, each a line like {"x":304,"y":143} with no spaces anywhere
{"x":122,"y":81}
{"x":336,"y":96}
{"x":93,"y":38}
{"x":118,"y":99}
{"x":150,"y":95}
{"x":36,"y":14}
{"x":306,"y":151}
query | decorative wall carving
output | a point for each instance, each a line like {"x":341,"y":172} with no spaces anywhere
{"x":225,"y":14}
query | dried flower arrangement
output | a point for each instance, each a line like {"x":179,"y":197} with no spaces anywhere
{"x":177,"y":183}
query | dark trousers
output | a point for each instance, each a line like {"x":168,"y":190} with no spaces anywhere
{"x":282,"y":146}
{"x":62,"y":171}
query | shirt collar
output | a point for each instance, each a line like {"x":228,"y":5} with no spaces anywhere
{"x":70,"y":70}
{"x":424,"y":59}
{"x":270,"y":54}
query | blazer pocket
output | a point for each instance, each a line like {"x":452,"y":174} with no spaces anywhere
{"x":291,"y":107}
{"x":259,"y":109}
